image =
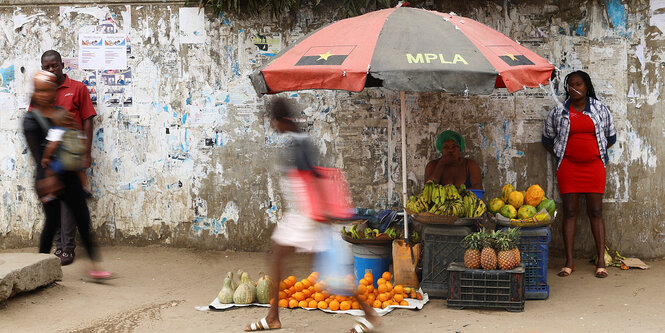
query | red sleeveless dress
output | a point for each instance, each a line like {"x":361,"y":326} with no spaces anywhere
{"x":582,"y":169}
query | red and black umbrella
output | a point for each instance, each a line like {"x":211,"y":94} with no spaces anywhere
{"x":404,"y":49}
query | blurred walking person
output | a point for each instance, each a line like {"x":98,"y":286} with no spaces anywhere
{"x":296,"y":231}
{"x":74,"y":97}
{"x":60,"y":187}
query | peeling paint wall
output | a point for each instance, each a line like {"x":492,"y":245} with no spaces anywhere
{"x":190,"y":161}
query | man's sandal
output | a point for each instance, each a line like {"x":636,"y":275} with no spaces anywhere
{"x":261,"y":325}
{"x":565,"y":271}
{"x":601,"y":272}
{"x":362,"y":326}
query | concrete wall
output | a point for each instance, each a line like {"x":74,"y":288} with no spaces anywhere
{"x":189,"y":163}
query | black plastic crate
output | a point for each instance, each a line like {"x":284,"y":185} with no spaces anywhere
{"x":442,"y":245}
{"x":534,"y":251}
{"x":477,"y":288}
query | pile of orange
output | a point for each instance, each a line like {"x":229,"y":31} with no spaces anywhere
{"x":385,"y":294}
{"x":310,"y":293}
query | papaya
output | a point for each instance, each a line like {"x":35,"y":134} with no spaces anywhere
{"x":547,"y":204}
{"x":495,"y":204}
{"x":505,"y":192}
{"x":526,"y":212}
{"x":534,"y":195}
{"x":516,"y":199}
{"x":508,"y":211}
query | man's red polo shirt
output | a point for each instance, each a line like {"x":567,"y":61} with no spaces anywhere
{"x":74,"y":97}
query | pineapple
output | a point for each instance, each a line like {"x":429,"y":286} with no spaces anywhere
{"x":472,"y":254}
{"x":514,"y":235}
{"x":488,"y":254}
{"x":505,"y":256}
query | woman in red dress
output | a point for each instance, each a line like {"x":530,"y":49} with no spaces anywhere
{"x":578,"y":134}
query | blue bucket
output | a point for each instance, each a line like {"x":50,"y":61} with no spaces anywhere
{"x":373,"y":259}
{"x":478,"y":193}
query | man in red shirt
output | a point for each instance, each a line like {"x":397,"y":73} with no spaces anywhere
{"x":73,"y":96}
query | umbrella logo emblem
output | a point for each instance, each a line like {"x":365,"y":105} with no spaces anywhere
{"x":325,"y":55}
{"x":515,"y":60}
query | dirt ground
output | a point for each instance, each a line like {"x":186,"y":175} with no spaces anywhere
{"x":157,"y":290}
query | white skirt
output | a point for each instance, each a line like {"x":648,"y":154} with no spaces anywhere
{"x":296,"y":229}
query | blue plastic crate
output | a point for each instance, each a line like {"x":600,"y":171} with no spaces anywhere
{"x":534,"y":249}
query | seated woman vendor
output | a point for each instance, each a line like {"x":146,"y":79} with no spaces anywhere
{"x":451,"y":167}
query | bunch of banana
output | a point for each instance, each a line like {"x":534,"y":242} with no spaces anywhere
{"x":451,"y":192}
{"x":428,"y":191}
{"x":391,"y":232}
{"x":371,"y":233}
{"x":480,"y":208}
{"x":353,"y":233}
{"x":417,"y":204}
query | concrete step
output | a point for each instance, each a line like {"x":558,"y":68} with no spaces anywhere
{"x":21,"y":272}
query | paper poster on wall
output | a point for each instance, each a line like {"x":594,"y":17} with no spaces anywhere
{"x":102,"y":51}
{"x":192,"y":25}
{"x":119,"y":90}
{"x":6,"y":78}
{"x":267,"y":44}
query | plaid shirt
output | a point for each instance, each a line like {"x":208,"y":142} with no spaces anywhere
{"x":557,"y":128}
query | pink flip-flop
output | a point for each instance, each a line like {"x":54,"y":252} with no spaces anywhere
{"x":99,"y":275}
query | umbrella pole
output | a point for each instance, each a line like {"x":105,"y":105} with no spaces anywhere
{"x":404,"y":194}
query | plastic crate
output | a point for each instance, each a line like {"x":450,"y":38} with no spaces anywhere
{"x":442,"y":245}
{"x":534,"y":251}
{"x":477,"y":288}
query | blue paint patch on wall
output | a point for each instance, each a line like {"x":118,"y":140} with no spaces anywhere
{"x":184,"y":118}
{"x":99,"y":139}
{"x":577,"y":29}
{"x":520,"y":153}
{"x":616,"y":12}
{"x":227,"y":99}
{"x":506,"y":133}
{"x":206,"y":223}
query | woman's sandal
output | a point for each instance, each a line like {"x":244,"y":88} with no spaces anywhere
{"x":565,"y":271}
{"x":261,"y":325}
{"x":601,"y":272}
{"x":362,"y":326}
{"x":100,"y":275}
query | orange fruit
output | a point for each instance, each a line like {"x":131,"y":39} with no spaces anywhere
{"x":369,"y":277}
{"x":363,"y":282}
{"x":405,"y":303}
{"x":308,"y":299}
{"x":355,"y":305}
{"x":318,"y":287}
{"x":383,"y":297}
{"x":334,"y":305}
{"x":370,"y":288}
{"x":419,"y":296}
{"x":292,"y":279}
{"x":371,"y":298}
{"x":315,"y":275}
{"x":380,"y":281}
{"x":340,"y":298}
{"x":306,"y":284}
{"x":312,"y":304}
{"x":282,"y":285}
{"x":283,"y":303}
{"x":362,"y":297}
{"x":398,"y":289}
{"x":306,"y":292}
{"x":298,"y":286}
{"x":322,"y":305}
{"x":318,"y":297}
{"x":398,"y":298}
{"x":293,"y":303}
{"x":383,"y":288}
{"x":413,"y":294}
{"x":362,"y":289}
{"x":389,"y":286}
{"x":386,"y":276}
{"x":376,"y":304}
{"x":385,"y":304}
{"x":292,"y":290}
{"x":311,"y":279}
{"x":287,"y":292}
{"x":346,"y":305}
{"x":302,"y":304}
{"x":299,"y":296}
{"x":282,"y":295}
{"x":325,"y":294}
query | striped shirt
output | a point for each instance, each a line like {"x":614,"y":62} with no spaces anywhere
{"x":557,"y":128}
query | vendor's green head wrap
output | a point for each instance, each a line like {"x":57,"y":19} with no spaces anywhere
{"x":449,"y":135}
